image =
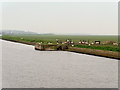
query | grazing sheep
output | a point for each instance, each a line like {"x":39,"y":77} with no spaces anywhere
{"x":92,"y":43}
{"x":86,"y":43}
{"x":115,"y":44}
{"x":49,"y":43}
{"x":72,"y":45}
{"x":63,"y":43}
{"x":68,"y":40}
{"x":83,"y":42}
{"x":97,"y":42}
{"x":80,"y":42}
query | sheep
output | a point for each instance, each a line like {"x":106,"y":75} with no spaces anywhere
{"x":83,"y":42}
{"x":72,"y":45}
{"x":80,"y":42}
{"x":63,"y":43}
{"x":97,"y":43}
{"x":115,"y":44}
{"x":92,"y":43}
{"x":86,"y":43}
{"x":49,"y":43}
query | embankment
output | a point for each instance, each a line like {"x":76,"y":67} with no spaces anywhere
{"x":109,"y":54}
{"x":28,"y":43}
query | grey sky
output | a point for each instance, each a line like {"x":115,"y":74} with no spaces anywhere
{"x":61,"y":17}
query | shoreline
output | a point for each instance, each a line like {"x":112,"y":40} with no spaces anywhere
{"x":94,"y":52}
{"x":28,"y":43}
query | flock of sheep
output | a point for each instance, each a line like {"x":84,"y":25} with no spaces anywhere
{"x":70,"y":42}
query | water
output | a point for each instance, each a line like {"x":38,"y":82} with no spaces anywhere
{"x":24,"y":67}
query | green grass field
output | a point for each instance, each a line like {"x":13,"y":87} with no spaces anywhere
{"x":52,"y":38}
{"x":100,"y":47}
{"x":75,"y":38}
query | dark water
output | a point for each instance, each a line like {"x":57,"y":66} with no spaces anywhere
{"x":24,"y":67}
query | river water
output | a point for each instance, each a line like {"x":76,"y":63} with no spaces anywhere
{"x":24,"y":67}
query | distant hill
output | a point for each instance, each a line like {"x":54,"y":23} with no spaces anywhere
{"x":20,"y":32}
{"x":14,"y":32}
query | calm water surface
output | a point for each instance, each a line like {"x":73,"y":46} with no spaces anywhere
{"x":24,"y":67}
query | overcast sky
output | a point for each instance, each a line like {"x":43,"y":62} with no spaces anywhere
{"x":61,"y":17}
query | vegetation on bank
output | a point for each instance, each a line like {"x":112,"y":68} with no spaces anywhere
{"x":100,"y":47}
{"x":52,"y":38}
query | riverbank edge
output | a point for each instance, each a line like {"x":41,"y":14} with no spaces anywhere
{"x":101,"y":53}
{"x":28,"y":43}
{"x":95,"y":52}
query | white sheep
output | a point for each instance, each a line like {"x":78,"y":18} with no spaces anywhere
{"x":72,"y":45}
{"x":89,"y":44}
{"x":115,"y":44}
{"x":49,"y":43}
{"x":92,"y":43}
{"x":80,"y":42}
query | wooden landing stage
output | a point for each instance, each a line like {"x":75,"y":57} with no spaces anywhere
{"x":45,"y":47}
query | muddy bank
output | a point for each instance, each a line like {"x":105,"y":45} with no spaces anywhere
{"x":109,"y":54}
{"x":28,"y":43}
{"x":103,"y":53}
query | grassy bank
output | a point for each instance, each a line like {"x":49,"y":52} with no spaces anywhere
{"x":52,"y":38}
{"x":100,"y":47}
{"x":32,"y":39}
